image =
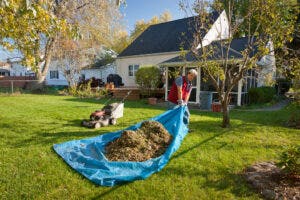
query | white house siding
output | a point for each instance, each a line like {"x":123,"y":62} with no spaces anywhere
{"x":100,"y":73}
{"x":61,"y":78}
{"x":218,"y":31}
{"x":141,"y":60}
{"x":60,"y":81}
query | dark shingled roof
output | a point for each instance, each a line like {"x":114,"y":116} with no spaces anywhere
{"x":236,"y":47}
{"x":166,"y":37}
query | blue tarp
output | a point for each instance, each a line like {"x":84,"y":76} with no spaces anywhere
{"x":87,"y":156}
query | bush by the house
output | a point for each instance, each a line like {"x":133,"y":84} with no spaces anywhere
{"x":148,"y":78}
{"x":85,"y":91}
{"x":294,"y":118}
{"x":290,"y":160}
{"x":261,"y":95}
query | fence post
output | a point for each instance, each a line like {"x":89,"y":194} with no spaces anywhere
{"x":12,"y":86}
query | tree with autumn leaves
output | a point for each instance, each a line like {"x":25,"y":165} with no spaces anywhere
{"x":39,"y":28}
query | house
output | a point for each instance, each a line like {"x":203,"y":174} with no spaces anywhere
{"x":13,"y":67}
{"x":10,"y":65}
{"x":163,"y":41}
{"x":56,"y":75}
{"x":104,"y":66}
{"x":160,"y":45}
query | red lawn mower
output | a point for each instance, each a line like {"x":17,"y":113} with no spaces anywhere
{"x":108,"y":115}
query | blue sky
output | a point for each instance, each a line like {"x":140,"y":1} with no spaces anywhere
{"x":146,"y":9}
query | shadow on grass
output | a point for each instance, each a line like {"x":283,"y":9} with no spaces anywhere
{"x":128,"y":103}
{"x":236,"y":183}
{"x":265,"y":118}
{"x":74,"y":123}
{"x":225,"y":181}
{"x":196,"y":146}
{"x":52,"y":138}
{"x":110,"y":190}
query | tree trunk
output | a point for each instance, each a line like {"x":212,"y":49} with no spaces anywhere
{"x":226,"y":119}
{"x":48,"y":56}
{"x":43,"y":68}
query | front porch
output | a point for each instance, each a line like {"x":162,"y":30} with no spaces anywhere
{"x":203,"y":93}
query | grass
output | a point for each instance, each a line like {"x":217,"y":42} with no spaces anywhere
{"x":207,"y":165}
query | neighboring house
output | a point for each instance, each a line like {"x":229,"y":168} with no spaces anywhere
{"x":17,"y":69}
{"x":10,"y":65}
{"x":10,"y":62}
{"x":4,"y":69}
{"x":160,"y":45}
{"x":56,"y":74}
{"x":14,"y":68}
{"x":163,"y":41}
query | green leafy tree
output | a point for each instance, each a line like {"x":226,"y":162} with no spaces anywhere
{"x":266,"y":20}
{"x":148,"y":78}
{"x":27,"y":26}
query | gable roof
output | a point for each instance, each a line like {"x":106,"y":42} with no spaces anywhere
{"x":236,"y":47}
{"x":166,"y":37}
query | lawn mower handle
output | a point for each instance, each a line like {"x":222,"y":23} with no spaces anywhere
{"x":128,"y":93}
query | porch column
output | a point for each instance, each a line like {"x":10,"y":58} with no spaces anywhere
{"x":166,"y":83}
{"x":239,"y":97}
{"x":198,"y":85}
{"x":240,"y":84}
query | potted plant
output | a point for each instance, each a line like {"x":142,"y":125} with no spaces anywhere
{"x":148,"y":78}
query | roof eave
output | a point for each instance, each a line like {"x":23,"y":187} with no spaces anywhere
{"x":151,"y":54}
{"x":193,"y":63}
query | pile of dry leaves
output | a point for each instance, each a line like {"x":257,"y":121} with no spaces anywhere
{"x":150,"y":141}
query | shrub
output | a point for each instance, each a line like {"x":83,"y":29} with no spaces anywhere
{"x":294,"y":118}
{"x":148,"y":78}
{"x":261,"y":94}
{"x":290,"y":160}
{"x":84,"y":91}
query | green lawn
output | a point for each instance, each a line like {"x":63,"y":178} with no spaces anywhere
{"x":207,"y":165}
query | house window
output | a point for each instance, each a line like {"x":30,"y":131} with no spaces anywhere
{"x":132,"y":69}
{"x":54,"y":74}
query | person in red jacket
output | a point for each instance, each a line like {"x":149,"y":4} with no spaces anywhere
{"x":181,"y":90}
